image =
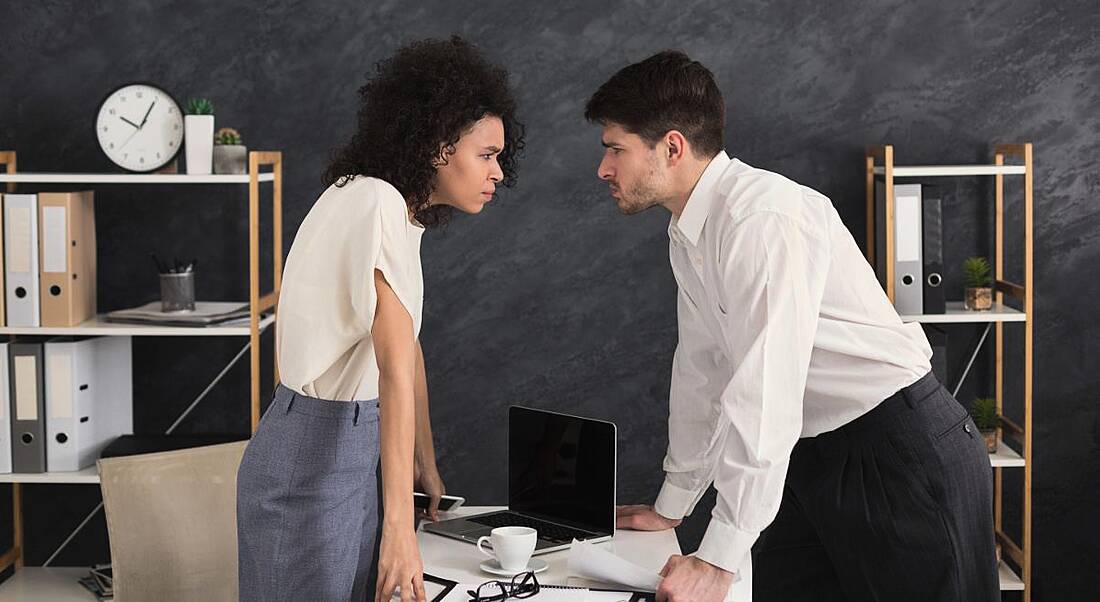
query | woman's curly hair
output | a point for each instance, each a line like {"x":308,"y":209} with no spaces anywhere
{"x":419,"y":102}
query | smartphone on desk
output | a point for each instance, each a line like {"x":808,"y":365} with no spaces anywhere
{"x":447,"y":503}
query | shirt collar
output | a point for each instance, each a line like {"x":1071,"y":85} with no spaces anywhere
{"x":691,"y":220}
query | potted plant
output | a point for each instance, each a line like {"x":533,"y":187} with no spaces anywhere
{"x":230,"y":153}
{"x":988,"y":420}
{"x":198,"y":135}
{"x":979,"y":293}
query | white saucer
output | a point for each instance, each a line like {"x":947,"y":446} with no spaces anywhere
{"x":492,"y":566}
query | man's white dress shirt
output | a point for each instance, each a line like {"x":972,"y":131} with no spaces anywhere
{"x":784,"y":332}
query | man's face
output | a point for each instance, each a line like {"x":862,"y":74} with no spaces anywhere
{"x":633,"y":168}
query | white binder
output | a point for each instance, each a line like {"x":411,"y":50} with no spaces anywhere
{"x":87,"y":405}
{"x":5,"y":411}
{"x":21,"y":259}
{"x":908,"y":260}
{"x":114,"y":365}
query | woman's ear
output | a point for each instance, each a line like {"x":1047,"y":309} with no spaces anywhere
{"x":443,"y":157}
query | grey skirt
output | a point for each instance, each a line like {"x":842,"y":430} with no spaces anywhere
{"x":308,"y":504}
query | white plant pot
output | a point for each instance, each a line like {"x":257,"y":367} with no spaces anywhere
{"x":198,"y":132}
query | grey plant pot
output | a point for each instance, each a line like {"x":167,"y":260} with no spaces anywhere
{"x":230,"y":158}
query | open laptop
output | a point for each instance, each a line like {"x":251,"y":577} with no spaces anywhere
{"x":561,"y":482}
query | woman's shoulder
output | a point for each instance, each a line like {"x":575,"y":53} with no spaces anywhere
{"x":365,"y":196}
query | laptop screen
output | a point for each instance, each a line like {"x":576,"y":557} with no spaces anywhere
{"x":562,"y":468}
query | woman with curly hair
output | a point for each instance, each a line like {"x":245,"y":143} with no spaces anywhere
{"x":437,"y":131}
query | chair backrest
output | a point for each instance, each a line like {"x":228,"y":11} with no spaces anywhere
{"x":172,"y":522}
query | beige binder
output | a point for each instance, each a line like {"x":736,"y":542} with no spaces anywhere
{"x":67,"y":266}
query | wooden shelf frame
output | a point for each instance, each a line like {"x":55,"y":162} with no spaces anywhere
{"x":879,"y":163}
{"x":259,"y":303}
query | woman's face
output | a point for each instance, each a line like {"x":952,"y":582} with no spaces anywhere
{"x":470,"y":175}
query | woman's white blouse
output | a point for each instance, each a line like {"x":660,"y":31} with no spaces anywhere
{"x":326,"y":306}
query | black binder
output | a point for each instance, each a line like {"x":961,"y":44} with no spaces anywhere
{"x":932,"y":234}
{"x":26,"y":376}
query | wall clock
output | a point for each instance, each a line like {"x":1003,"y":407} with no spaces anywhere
{"x":140,"y":127}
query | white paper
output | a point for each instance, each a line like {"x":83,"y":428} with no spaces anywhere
{"x":59,"y":398}
{"x":26,"y":387}
{"x":54,"y":240}
{"x":590,"y":562}
{"x":546,"y":594}
{"x":19,"y":240}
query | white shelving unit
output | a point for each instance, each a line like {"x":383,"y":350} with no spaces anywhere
{"x":934,"y":171}
{"x":99,"y":326}
{"x":879,"y":163}
{"x":103,"y":178}
{"x":46,"y":584}
{"x":88,"y":476}
{"x":51,"y":583}
{"x":957,"y":314}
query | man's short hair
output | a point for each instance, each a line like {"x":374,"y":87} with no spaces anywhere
{"x":667,"y":91}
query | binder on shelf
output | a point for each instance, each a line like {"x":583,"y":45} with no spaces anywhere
{"x":87,"y":405}
{"x":115,"y":377}
{"x":908,"y":283}
{"x":5,"y":411}
{"x":67,"y":272}
{"x":932,"y":235}
{"x":3,"y":310}
{"x":21,"y":259}
{"x":28,"y":410}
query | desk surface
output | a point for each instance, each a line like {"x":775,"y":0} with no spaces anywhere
{"x":458,"y":561}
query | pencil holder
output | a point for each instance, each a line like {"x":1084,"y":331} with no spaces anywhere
{"x":177,"y":292}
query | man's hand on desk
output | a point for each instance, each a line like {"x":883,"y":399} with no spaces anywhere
{"x":642,"y":518}
{"x":688,"y":579}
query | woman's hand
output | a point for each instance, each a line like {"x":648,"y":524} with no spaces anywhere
{"x":429,"y":482}
{"x":399,"y":565}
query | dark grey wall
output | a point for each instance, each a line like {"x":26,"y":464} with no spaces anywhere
{"x":549,"y":297}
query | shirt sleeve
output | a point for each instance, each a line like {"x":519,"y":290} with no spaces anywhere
{"x":387,"y":250}
{"x":773,"y":274}
{"x":694,"y":435}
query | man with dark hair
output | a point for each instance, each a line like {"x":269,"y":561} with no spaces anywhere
{"x":839,"y":459}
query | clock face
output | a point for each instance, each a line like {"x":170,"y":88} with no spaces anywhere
{"x":140,"y":127}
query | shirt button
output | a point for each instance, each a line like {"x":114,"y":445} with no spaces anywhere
{"x":966,"y":427}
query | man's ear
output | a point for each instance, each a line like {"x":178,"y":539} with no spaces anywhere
{"x":675,"y":147}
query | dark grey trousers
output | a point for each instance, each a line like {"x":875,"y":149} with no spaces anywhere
{"x":308,"y":501}
{"x":896,"y":505}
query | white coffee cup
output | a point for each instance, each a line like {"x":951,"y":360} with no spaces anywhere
{"x":512,"y":546}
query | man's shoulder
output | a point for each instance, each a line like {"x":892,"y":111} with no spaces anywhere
{"x":745,"y":191}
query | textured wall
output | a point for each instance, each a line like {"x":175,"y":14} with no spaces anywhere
{"x":549,"y":297}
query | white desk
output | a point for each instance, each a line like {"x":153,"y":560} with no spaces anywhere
{"x":458,"y":560}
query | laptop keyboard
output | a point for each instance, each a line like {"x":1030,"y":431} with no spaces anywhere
{"x":548,"y":531}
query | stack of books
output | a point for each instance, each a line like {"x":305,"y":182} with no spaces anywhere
{"x":206,"y":313}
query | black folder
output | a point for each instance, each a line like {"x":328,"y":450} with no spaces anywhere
{"x":932,"y":234}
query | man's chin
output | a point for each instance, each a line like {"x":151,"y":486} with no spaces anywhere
{"x":628,"y":208}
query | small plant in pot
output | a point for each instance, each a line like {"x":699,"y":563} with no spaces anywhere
{"x":988,"y":420}
{"x":230,"y":153}
{"x":198,"y":135}
{"x":979,"y":293}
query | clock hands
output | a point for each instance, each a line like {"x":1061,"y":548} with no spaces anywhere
{"x":137,"y":126}
{"x":146,"y":117}
{"x":129,"y":139}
